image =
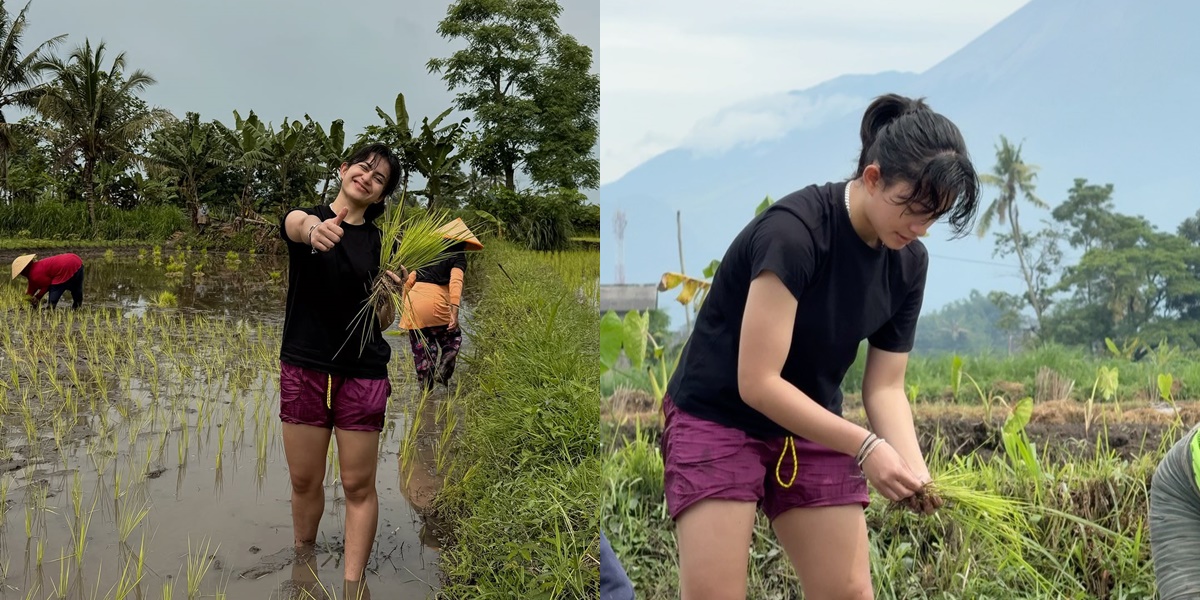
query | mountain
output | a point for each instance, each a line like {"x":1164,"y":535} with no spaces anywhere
{"x":1102,"y":90}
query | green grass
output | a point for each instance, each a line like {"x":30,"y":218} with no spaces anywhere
{"x":41,"y":244}
{"x":932,"y":376}
{"x":69,"y":222}
{"x":522,"y":495}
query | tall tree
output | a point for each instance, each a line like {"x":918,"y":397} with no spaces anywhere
{"x":438,"y":156}
{"x":1014,"y":178}
{"x":565,"y":129}
{"x":20,"y":74}
{"x":96,"y":110}
{"x":529,"y":89}
{"x":246,"y":143}
{"x":189,"y":151}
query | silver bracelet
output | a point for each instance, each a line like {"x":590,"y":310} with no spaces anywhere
{"x":310,"y":230}
{"x":875,"y":444}
{"x":866,"y":441}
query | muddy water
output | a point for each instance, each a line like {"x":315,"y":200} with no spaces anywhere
{"x":149,"y":459}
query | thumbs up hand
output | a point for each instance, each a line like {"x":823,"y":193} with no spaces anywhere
{"x":328,"y":233}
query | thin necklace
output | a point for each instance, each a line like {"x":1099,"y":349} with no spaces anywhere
{"x":848,"y":184}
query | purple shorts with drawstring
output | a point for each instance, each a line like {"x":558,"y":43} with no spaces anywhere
{"x":308,"y":397}
{"x":704,"y":460}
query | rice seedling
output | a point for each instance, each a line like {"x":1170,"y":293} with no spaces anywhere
{"x":128,"y":520}
{"x":63,"y":583}
{"x":409,"y":242}
{"x":198,"y":566}
{"x":79,"y":531}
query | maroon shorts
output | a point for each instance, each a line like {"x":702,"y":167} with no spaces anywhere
{"x":705,"y":460}
{"x":308,"y":397}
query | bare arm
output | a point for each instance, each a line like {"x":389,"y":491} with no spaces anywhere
{"x":766,"y":339}
{"x":297,"y":225}
{"x":888,"y":409}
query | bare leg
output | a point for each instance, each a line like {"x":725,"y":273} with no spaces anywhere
{"x":714,"y":548}
{"x":306,"y":447}
{"x":828,"y":548}
{"x":358,"y":452}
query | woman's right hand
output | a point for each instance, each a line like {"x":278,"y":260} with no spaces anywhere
{"x":889,"y":473}
{"x":328,"y":233}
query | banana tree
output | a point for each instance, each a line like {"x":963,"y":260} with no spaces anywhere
{"x":397,"y":133}
{"x":187,"y":151}
{"x":693,"y":290}
{"x":290,"y":152}
{"x":438,"y":156}
{"x":331,"y":148}
{"x":246,"y":143}
{"x":632,"y":337}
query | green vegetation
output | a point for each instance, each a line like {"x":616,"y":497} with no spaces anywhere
{"x":92,"y":160}
{"x":521,"y":490}
{"x":1024,"y":448}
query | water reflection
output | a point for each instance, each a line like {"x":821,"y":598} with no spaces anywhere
{"x":248,"y":288}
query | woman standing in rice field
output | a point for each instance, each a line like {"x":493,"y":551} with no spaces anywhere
{"x":327,"y":387}
{"x":1175,"y":520}
{"x":434,"y":295}
{"x":753,"y":411}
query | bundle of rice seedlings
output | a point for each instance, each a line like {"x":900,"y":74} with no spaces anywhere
{"x":410,"y":241}
{"x":988,"y":522}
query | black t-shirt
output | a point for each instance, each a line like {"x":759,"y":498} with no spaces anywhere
{"x":847,"y":292}
{"x":439,"y":272}
{"x":323,"y":328}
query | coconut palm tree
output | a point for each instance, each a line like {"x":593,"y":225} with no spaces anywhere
{"x":1015,"y":180}
{"x":20,"y":74}
{"x":96,"y":110}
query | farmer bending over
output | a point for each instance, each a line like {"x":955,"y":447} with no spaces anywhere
{"x":53,"y":274}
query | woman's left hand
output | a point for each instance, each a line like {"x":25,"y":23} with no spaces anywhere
{"x":399,"y":279}
{"x":924,"y":503}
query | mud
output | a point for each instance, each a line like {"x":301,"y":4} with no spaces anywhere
{"x":233,"y":511}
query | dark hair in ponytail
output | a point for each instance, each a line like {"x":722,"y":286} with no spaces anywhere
{"x":913,"y":144}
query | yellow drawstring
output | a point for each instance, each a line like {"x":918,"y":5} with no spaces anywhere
{"x":787,"y":443}
{"x":329,"y":393}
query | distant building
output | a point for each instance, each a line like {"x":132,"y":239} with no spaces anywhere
{"x":622,"y":298}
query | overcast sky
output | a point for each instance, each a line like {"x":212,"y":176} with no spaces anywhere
{"x":281,"y":58}
{"x":670,"y":63}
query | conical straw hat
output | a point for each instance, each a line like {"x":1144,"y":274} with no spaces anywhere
{"x":21,"y":262}
{"x":457,"y":230}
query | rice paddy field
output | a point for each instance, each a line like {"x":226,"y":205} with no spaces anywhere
{"x":1049,"y":456}
{"x":142,"y":454}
